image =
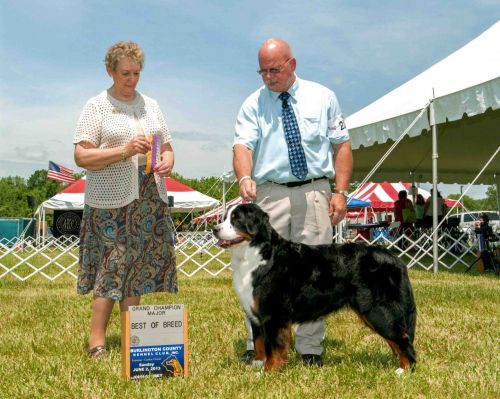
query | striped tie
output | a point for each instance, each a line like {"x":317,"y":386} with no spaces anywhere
{"x":296,"y":155}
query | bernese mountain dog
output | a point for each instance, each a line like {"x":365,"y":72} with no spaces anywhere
{"x":280,"y":282}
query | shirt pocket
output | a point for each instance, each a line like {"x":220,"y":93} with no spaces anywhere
{"x":310,"y":129}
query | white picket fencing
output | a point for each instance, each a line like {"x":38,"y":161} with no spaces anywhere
{"x":197,"y":252}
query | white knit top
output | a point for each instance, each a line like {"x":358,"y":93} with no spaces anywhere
{"x":107,"y":122}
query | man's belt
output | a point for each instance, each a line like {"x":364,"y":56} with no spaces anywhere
{"x":300,"y":183}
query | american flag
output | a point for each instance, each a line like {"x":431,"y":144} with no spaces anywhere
{"x":60,"y":173}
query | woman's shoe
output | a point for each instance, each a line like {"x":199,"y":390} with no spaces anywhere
{"x":97,"y":352}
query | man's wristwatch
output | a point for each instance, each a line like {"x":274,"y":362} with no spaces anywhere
{"x":341,"y":192}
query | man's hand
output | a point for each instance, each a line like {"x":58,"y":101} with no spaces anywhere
{"x":338,"y":208}
{"x":248,"y":190}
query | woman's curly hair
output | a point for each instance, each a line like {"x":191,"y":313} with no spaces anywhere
{"x":121,"y":50}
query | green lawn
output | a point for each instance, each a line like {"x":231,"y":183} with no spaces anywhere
{"x":44,"y":328}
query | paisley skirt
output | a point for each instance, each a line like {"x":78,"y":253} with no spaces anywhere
{"x":128,"y":251}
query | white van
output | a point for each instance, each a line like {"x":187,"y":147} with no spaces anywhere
{"x":466,"y":221}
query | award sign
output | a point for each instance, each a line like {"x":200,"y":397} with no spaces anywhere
{"x":154,"y":341}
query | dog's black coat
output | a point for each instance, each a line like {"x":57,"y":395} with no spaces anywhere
{"x":299,"y":283}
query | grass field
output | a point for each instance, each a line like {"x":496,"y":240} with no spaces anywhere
{"x":45,"y":326}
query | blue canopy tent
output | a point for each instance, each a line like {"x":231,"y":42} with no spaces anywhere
{"x":353,"y":203}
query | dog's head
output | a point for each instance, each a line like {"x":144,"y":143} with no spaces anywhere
{"x":241,"y":223}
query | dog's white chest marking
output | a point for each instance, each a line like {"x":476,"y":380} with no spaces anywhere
{"x":244,"y":261}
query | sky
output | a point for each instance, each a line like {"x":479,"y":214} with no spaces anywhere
{"x":201,"y":62}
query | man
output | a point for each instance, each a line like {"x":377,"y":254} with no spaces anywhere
{"x":485,"y":235}
{"x":289,"y":136}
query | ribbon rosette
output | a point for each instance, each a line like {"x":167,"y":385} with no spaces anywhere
{"x":151,"y":155}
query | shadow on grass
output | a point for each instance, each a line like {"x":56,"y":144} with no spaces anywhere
{"x":239,"y":345}
{"x":113,"y":342}
{"x":462,"y":269}
{"x":376,"y":358}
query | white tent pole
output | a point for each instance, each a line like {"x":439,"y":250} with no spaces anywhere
{"x":226,"y":176}
{"x":435,"y":156}
{"x":497,"y":183}
{"x":392,"y":147}
{"x":413,"y":188}
{"x":41,"y":224}
{"x":40,"y":218}
{"x":224,"y":193}
{"x":37,"y":225}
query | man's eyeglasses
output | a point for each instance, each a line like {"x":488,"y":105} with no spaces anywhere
{"x":273,"y":71}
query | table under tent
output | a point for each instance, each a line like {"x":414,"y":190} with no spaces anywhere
{"x":442,"y":126}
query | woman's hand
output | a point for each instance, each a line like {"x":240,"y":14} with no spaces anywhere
{"x":166,"y":164}
{"x":138,"y":145}
{"x":164,"y":168}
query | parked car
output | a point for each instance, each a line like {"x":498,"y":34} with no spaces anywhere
{"x":467,"y":220}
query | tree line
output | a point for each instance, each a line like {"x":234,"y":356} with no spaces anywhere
{"x":15,"y":190}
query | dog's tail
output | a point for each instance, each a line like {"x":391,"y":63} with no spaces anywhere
{"x":412,"y":318}
{"x":412,"y":324}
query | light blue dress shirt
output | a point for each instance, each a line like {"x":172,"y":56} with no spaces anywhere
{"x":321,"y":124}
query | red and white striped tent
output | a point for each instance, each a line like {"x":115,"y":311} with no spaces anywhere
{"x":382,"y":195}
{"x":215,"y":215}
{"x":186,"y":199}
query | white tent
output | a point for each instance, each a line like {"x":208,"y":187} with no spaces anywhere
{"x":458,"y":100}
{"x":186,"y":199}
{"x":465,"y":89}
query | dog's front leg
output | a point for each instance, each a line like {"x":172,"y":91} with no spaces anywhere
{"x":258,"y":343}
{"x":277,"y":343}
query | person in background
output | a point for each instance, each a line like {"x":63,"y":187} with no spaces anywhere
{"x":126,"y":238}
{"x":484,"y":237}
{"x":428,"y":212}
{"x":419,"y":211}
{"x":400,"y":205}
{"x":290,"y":135}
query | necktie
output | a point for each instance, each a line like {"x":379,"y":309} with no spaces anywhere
{"x":296,"y":155}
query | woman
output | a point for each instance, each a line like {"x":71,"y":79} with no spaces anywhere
{"x":126,"y":246}
{"x":419,"y":210}
{"x":400,"y":205}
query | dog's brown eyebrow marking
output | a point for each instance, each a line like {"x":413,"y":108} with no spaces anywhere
{"x":246,"y":236}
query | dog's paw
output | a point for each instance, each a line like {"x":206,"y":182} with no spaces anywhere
{"x":400,"y":371}
{"x":258,"y":364}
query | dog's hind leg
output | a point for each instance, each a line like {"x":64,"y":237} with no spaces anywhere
{"x":399,"y":338}
{"x":365,"y":321}
{"x":277,"y":342}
